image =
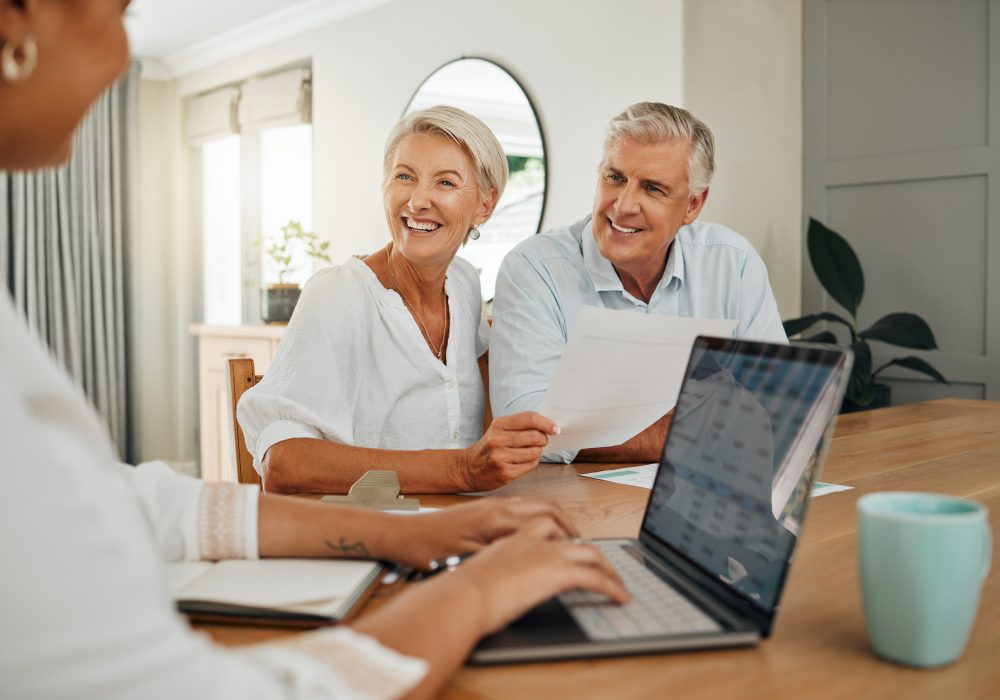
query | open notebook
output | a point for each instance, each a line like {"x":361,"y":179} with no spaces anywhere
{"x":304,"y":592}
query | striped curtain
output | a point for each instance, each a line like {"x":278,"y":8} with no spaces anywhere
{"x":63,"y":250}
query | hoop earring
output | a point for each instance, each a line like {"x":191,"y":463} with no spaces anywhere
{"x":474,"y":233}
{"x":14,"y":70}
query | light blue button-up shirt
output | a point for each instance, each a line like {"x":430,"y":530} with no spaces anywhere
{"x":711,"y":272}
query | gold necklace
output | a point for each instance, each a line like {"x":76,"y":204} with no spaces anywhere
{"x":413,"y":312}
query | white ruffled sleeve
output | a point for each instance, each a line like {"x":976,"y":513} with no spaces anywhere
{"x":315,"y":379}
{"x":192,"y":519}
{"x":339,"y":663}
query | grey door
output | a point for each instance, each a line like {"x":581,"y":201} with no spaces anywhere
{"x":902,"y":157}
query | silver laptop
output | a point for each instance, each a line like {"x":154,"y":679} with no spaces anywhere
{"x":748,"y":436}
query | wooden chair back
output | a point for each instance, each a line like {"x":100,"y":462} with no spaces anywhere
{"x":241,"y":377}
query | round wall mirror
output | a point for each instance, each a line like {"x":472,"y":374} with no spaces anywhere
{"x":486,"y":90}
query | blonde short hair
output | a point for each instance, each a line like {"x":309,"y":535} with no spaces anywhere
{"x":654,"y":122}
{"x":467,"y":131}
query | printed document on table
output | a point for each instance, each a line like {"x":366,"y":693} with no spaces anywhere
{"x":619,"y":373}
{"x":821,"y":489}
{"x":643,"y":476}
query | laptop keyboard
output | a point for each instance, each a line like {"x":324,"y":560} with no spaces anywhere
{"x":656,"y":608}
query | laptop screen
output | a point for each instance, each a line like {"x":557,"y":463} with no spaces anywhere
{"x":739,"y":461}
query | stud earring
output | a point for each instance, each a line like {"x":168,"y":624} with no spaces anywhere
{"x":14,"y":70}
{"x":474,"y":233}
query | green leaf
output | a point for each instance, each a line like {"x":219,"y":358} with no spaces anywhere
{"x":861,"y":385}
{"x":903,"y":329}
{"x":823,"y":337}
{"x":836,"y":266}
{"x":917,"y":365}
{"x":795,"y":326}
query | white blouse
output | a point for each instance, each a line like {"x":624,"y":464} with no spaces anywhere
{"x":83,"y":596}
{"x":353,"y":368}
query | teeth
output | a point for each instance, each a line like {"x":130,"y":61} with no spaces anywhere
{"x":623,"y":229}
{"x":418,"y":226}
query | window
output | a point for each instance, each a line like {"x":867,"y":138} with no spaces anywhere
{"x":255,"y":144}
{"x":286,"y":194}
{"x":220,"y":224}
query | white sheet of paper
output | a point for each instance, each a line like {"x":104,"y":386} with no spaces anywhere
{"x":632,"y":476}
{"x":821,"y":489}
{"x":619,"y":373}
{"x":643,"y":477}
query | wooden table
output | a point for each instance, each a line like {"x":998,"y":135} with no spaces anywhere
{"x":819,"y":647}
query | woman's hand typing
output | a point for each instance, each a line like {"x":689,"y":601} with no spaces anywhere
{"x":469,"y":527}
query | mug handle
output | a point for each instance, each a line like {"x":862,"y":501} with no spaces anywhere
{"x":987,"y":549}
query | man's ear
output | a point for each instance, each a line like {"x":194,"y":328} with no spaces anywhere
{"x":695,"y":205}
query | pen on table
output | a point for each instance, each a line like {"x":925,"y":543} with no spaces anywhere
{"x":436,"y":566}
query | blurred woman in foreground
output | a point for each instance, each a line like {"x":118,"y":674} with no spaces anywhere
{"x":84,"y":601}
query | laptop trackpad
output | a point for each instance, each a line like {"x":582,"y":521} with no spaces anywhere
{"x":548,"y":623}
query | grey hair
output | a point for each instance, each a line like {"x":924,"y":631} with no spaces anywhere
{"x":467,"y":131}
{"x":654,"y":122}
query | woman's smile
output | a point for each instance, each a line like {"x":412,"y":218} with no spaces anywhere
{"x":420,"y":227}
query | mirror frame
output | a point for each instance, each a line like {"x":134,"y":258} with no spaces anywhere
{"x":531,"y":105}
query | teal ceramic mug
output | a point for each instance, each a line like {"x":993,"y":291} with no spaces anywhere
{"x":923,"y":559}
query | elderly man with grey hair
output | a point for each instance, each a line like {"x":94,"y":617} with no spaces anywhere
{"x":641,"y":250}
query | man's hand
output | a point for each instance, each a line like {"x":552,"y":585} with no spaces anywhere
{"x":510,"y":447}
{"x":470,"y":527}
{"x":647,"y":446}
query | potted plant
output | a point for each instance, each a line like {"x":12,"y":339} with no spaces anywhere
{"x":278,"y":299}
{"x":839,"y":271}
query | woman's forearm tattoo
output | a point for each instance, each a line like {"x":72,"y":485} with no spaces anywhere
{"x":349,"y":549}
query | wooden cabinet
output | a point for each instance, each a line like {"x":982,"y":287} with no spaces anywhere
{"x":217,"y":345}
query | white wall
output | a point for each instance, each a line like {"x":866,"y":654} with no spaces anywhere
{"x":581,"y":62}
{"x":743,"y":77}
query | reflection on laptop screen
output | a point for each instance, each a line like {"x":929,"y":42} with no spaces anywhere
{"x":740,"y":458}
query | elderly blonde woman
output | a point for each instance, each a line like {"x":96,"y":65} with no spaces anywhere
{"x":382,"y":365}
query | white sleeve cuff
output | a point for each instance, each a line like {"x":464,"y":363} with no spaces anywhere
{"x":251,"y":496}
{"x":227,"y":521}
{"x":354,"y":666}
{"x":170,"y":503}
{"x":278,"y":431}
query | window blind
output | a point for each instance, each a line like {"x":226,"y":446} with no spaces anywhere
{"x":279,"y":99}
{"x":212,"y":116}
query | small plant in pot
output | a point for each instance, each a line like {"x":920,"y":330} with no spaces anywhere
{"x":839,"y":271}
{"x":278,"y":299}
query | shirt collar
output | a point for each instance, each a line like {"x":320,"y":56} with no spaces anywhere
{"x":602,"y":272}
{"x":675,"y":261}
